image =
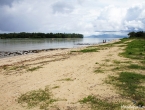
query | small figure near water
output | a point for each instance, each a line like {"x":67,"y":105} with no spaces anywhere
{"x":104,"y":41}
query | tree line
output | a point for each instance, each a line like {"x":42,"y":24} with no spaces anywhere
{"x":39,"y":35}
{"x":139,"y":34}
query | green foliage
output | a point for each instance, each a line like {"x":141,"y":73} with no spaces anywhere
{"x":66,"y":79}
{"x":37,"y":97}
{"x":99,"y":71}
{"x":116,"y":68}
{"x":135,"y":50}
{"x":135,"y":66}
{"x":107,"y":60}
{"x":34,"y":68}
{"x":143,"y":62}
{"x":55,"y":87}
{"x":123,"y":40}
{"x":98,"y":104}
{"x":96,"y":63}
{"x":116,"y":62}
{"x":131,"y":34}
{"x":89,"y":50}
{"x":129,"y":84}
{"x":105,"y":45}
{"x":139,"y":34}
{"x":40,"y":35}
{"x":5,"y":67}
{"x":74,"y":51}
{"x":18,"y":67}
{"x":140,"y":104}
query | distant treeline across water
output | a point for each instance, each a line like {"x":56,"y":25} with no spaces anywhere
{"x":40,"y":35}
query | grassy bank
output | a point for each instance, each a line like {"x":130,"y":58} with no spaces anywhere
{"x":129,"y":79}
{"x":130,"y":82}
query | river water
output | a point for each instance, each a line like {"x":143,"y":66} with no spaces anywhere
{"x":50,"y":43}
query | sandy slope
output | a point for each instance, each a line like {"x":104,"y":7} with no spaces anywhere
{"x":60,"y":65}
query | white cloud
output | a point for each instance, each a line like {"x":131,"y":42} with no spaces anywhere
{"x":133,"y":13}
{"x":81,"y":16}
{"x":62,"y":7}
{"x":135,"y":17}
{"x":134,"y":25}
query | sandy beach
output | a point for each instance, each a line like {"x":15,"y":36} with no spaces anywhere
{"x":21,"y":74}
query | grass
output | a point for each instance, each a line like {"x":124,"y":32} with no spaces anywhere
{"x":5,"y":67}
{"x":98,"y":104}
{"x":34,"y":68}
{"x":55,"y":87}
{"x":122,"y":41}
{"x":119,"y":62}
{"x":126,"y":62}
{"x":136,"y":66}
{"x":96,"y":63}
{"x":116,"y":62}
{"x":99,"y":71}
{"x":73,"y":51}
{"x":66,"y":79}
{"x":123,"y":45}
{"x":107,"y":60}
{"x":91,"y":46}
{"x":116,"y":68}
{"x":106,"y":45}
{"x":10,"y":67}
{"x":129,"y":85}
{"x":135,"y":50}
{"x":41,"y":98}
{"x":143,"y":62}
{"x":13,"y":69}
{"x":17,"y":67}
{"x":89,"y":50}
{"x":103,"y":64}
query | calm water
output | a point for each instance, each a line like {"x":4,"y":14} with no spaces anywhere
{"x":33,"y":44}
{"x":36,"y":44}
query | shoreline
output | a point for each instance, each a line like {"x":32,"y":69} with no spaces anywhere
{"x":70,"y":75}
{"x":7,"y":54}
{"x":9,"y":60}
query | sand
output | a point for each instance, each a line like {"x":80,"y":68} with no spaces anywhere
{"x":55,"y":66}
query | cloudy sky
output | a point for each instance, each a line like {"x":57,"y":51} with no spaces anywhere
{"x":79,"y":16}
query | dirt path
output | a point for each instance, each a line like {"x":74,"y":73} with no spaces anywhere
{"x":78,"y":68}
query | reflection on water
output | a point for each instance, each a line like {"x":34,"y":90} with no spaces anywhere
{"x":36,"y":44}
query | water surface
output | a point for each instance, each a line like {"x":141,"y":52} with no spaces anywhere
{"x":37,"y":44}
{"x":52,"y":43}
